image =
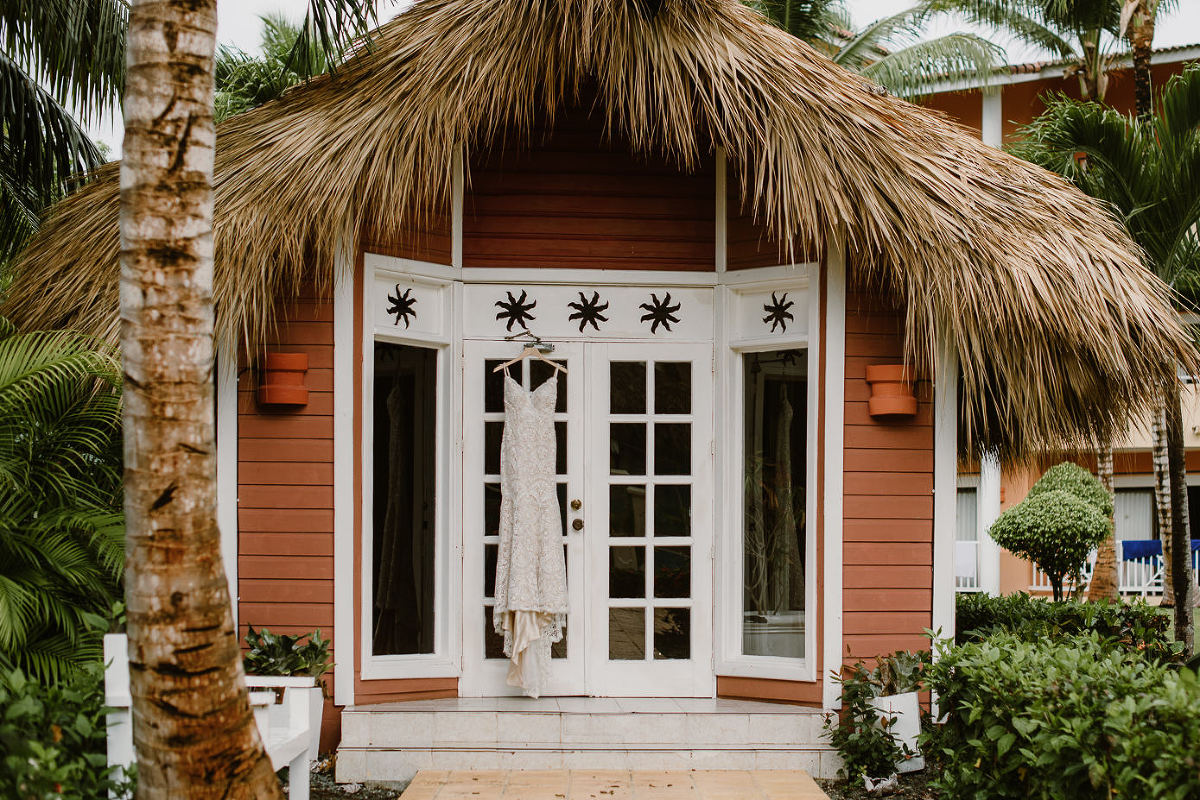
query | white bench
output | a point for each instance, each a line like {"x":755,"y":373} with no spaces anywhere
{"x":290,"y":728}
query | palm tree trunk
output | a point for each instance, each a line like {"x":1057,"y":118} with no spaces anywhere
{"x":1180,"y":587}
{"x":1140,"y":29}
{"x":1162,"y":496}
{"x":1105,"y":579}
{"x":193,"y":730}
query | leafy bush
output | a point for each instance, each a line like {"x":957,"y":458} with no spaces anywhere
{"x":862,"y":739}
{"x":1072,"y":719}
{"x":1074,"y":479}
{"x":282,"y":655}
{"x":61,"y":532}
{"x":1055,"y":529}
{"x":1135,"y":626}
{"x":52,"y":738}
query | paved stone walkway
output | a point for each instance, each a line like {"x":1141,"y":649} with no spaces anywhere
{"x":613,"y":785}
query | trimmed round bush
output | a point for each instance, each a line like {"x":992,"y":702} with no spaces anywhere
{"x":1055,"y":529}
{"x":1070,"y":477}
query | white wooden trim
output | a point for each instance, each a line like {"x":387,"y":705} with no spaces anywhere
{"x":992,"y":116}
{"x":227,"y":470}
{"x":986,"y":510}
{"x":729,"y":583}
{"x":945,"y":485}
{"x":444,"y":661}
{"x":589,"y":277}
{"x":721,"y":237}
{"x":835,"y":411}
{"x":345,"y":632}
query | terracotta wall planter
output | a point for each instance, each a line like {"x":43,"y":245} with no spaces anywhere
{"x":283,"y":380}
{"x":891,"y":391}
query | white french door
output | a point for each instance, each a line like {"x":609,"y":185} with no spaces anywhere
{"x":635,"y":488}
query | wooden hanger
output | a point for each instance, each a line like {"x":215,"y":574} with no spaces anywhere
{"x":530,"y":350}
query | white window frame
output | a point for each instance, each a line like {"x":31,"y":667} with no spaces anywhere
{"x":445,"y":661}
{"x":728,"y":616}
{"x":972,"y":481}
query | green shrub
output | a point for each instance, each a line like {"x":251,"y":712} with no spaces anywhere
{"x":1076,"y":480}
{"x":1134,"y":626}
{"x":1055,"y":529}
{"x":52,"y":738}
{"x":1073,"y":719}
{"x":282,"y":655}
{"x":863,"y":740}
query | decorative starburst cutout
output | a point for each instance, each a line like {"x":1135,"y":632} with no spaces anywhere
{"x":401,"y":304}
{"x":660,"y":312}
{"x":588,"y":311}
{"x":516,"y":310}
{"x":777,"y":312}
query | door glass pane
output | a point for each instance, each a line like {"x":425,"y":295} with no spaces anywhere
{"x":672,"y":510}
{"x":673,"y":387}
{"x":672,"y":633}
{"x":403,"y":525}
{"x":493,"y":384}
{"x":775,"y":481}
{"x":562,"y":506}
{"x":540,"y":371}
{"x":627,"y":387}
{"x":626,"y":634}
{"x":627,"y":510}
{"x":493,"y":643}
{"x":627,"y":572}
{"x":673,"y":572}
{"x":490,"y":553}
{"x":672,"y":448}
{"x":627,"y":445}
{"x":560,"y":454}
{"x":491,"y":509}
{"x":493,"y":433}
{"x":559,"y":649}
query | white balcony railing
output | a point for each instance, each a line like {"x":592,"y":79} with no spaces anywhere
{"x":1142,"y":575}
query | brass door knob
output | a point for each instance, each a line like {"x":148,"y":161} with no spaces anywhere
{"x":576,"y":505}
{"x":577,"y":524}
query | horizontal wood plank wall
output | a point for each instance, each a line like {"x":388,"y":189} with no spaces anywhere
{"x":285,"y":490}
{"x":376,"y":691}
{"x":571,"y":200}
{"x":887,"y":551}
{"x":428,"y":238}
{"x":747,"y":241}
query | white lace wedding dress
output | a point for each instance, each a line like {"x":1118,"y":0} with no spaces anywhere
{"x":531,"y":576}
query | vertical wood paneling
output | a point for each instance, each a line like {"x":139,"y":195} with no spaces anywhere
{"x":887,"y":568}
{"x":575,"y":200}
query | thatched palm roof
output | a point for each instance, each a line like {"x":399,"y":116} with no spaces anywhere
{"x":1061,"y":334}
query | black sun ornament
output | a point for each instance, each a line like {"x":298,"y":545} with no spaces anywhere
{"x":516,"y":310}
{"x":588,"y":311}
{"x":401,"y":304}
{"x":661,"y":312}
{"x":777,"y":312}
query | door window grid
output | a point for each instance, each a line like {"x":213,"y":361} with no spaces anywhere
{"x":649,"y":576}
{"x":493,"y":417}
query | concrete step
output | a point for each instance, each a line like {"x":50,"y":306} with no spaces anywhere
{"x":390,"y":742}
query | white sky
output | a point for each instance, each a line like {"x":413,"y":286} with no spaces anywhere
{"x":238,"y":25}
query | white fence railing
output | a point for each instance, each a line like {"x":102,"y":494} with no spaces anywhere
{"x":966,"y":565}
{"x":290,"y":728}
{"x":1142,"y":575}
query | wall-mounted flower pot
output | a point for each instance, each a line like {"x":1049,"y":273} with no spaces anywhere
{"x":283,"y":380}
{"x":891,"y":391}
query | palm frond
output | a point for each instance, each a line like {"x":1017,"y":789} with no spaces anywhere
{"x":329,"y":28}
{"x":869,"y":42}
{"x":1024,"y":20}
{"x":910,"y":72}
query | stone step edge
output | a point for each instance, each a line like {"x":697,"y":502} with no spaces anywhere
{"x":571,"y":747}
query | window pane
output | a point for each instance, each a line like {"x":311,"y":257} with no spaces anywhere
{"x":673,"y":387}
{"x":493,"y":383}
{"x":626,"y":634}
{"x":540,"y":371}
{"x":493,"y":435}
{"x":403,"y":520}
{"x":672,"y":510}
{"x":627,"y":572}
{"x":491,"y":509}
{"x":776,"y":430}
{"x":966,"y":525}
{"x":673,"y":572}
{"x":560,"y":453}
{"x":672,"y":448}
{"x":627,"y":387}
{"x":627,"y":510}
{"x":627,"y":448}
{"x":672,"y":633}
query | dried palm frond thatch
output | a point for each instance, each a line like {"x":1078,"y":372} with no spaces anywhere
{"x":1061,"y":335}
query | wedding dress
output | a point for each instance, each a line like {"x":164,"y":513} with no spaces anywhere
{"x":531,"y":575}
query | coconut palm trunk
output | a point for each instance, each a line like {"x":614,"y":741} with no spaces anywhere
{"x":1138,"y":18}
{"x":1180,"y":586}
{"x":1105,"y":583}
{"x":193,"y":729}
{"x":1162,"y":496}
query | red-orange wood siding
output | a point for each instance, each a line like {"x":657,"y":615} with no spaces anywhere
{"x":887,"y":551}
{"x":573,"y":200}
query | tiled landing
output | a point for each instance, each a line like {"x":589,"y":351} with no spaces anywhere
{"x":393,"y":741}
{"x":614,"y":785}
